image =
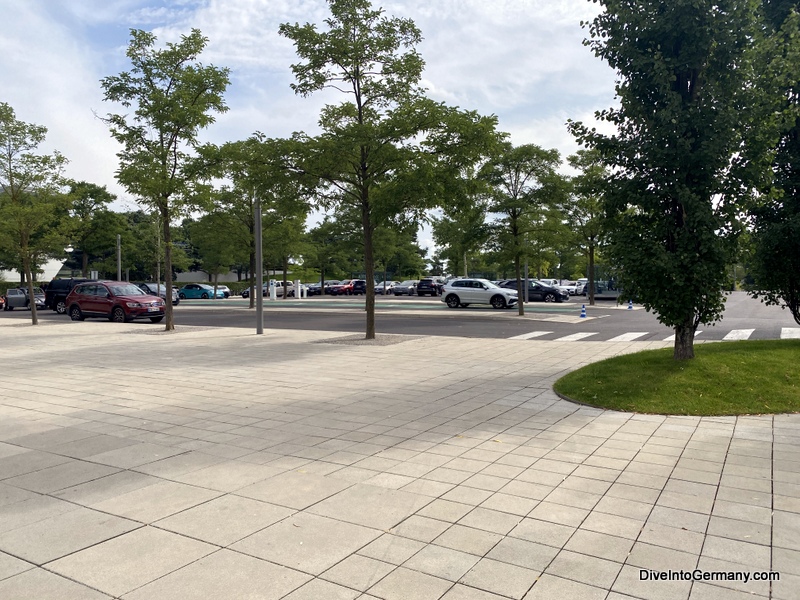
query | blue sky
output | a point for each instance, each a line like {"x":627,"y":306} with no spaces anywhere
{"x":521,"y":60}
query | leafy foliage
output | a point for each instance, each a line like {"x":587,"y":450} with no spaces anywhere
{"x":174,"y":96}
{"x":33,"y":207}
{"x":683,"y":74}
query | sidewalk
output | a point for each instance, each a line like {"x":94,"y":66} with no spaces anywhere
{"x":214,"y":463}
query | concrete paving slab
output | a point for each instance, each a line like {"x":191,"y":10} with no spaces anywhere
{"x":223,"y":574}
{"x":477,"y":462}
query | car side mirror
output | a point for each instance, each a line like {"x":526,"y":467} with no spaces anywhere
{"x":108,"y":296}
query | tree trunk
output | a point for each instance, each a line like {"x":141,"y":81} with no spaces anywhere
{"x":369,"y":263}
{"x":216,"y":280}
{"x":590,"y":275}
{"x":26,"y":264}
{"x":684,"y":341}
{"x":85,"y":265}
{"x":465,"y":264}
{"x":168,"y":313}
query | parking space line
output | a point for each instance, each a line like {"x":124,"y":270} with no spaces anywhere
{"x":531,"y":335}
{"x":738,"y":334}
{"x":790,"y":333}
{"x":628,"y":337}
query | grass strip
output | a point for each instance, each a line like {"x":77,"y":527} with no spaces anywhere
{"x":726,"y":378}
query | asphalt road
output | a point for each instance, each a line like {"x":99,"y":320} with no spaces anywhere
{"x":744,"y":318}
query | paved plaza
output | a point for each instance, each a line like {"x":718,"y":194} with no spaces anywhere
{"x":216,"y":464}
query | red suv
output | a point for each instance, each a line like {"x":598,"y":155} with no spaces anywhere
{"x":118,"y":301}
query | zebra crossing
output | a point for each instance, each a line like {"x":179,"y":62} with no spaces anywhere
{"x":787,"y":333}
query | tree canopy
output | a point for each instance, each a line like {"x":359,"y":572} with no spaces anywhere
{"x":682,"y":68}
{"x":174,"y":96}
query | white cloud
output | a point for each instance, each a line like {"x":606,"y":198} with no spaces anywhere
{"x":519,"y":59}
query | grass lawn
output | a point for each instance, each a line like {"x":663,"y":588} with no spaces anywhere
{"x":726,"y":378}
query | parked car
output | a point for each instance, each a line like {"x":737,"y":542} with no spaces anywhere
{"x":198,"y":290}
{"x":316,"y":289}
{"x":226,"y":291}
{"x":118,"y":301}
{"x":278,"y":289}
{"x":463,"y":292}
{"x":3,"y":302}
{"x":553,"y":283}
{"x":538,"y":291}
{"x":343,"y":288}
{"x":18,"y":298}
{"x":406,"y":288}
{"x":55,"y":296}
{"x":572,"y":287}
{"x":359,"y":287}
{"x":386,"y":287}
{"x":430,"y":286}
{"x":159,"y":289}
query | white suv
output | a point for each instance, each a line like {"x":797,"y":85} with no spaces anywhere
{"x":463,"y":292}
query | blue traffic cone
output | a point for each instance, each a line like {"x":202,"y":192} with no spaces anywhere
{"x":583,"y":311}
{"x":630,"y":304}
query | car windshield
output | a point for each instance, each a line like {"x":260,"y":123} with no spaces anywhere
{"x":408,"y":282}
{"x":126,"y":290}
{"x":490,"y":285}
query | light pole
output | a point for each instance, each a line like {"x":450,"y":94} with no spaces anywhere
{"x":259,"y":270}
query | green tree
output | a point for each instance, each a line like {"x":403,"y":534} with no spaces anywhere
{"x":214,"y":237}
{"x":33,"y":207}
{"x":523,"y":185}
{"x":681,"y":67}
{"x":775,"y":258}
{"x":379,"y":151}
{"x":174,"y":97}
{"x":584,"y":209}
{"x":88,"y":201}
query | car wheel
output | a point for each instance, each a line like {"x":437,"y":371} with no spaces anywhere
{"x":452,"y":301}
{"x":182,"y":296}
{"x":75,"y":314}
{"x":156,"y":319}
{"x":118,"y":315}
{"x":498,"y":302}
{"x":204,"y":296}
{"x":549,"y":298}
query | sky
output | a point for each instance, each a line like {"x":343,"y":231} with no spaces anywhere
{"x":521,"y":60}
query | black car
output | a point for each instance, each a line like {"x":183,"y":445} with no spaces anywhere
{"x":430,"y":286}
{"x":360,"y":287}
{"x":538,"y":291}
{"x":55,"y":295}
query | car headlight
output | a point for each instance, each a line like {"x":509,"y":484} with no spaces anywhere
{"x":133,"y":305}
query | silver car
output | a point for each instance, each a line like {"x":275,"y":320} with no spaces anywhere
{"x":463,"y":292}
{"x":159,"y":289}
{"x":406,"y":288}
{"x":18,"y":298}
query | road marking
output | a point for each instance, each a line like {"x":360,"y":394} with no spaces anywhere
{"x":790,"y":333}
{"x":672,"y":337}
{"x":575,"y":337}
{"x":528,"y":336}
{"x":738,"y":334}
{"x":628,"y":337}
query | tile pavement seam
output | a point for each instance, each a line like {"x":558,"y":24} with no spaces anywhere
{"x":625,"y":561}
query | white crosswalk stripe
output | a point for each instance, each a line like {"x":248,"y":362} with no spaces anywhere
{"x":738,"y":334}
{"x":575,"y":337}
{"x":628,"y":337}
{"x":532,"y":334}
{"x":672,"y":337}
{"x":790,"y":333}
